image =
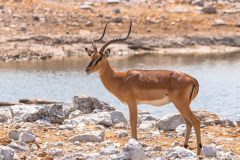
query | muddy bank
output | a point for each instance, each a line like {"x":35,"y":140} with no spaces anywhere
{"x":91,"y":129}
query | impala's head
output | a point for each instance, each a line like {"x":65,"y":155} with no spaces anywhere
{"x":98,"y":58}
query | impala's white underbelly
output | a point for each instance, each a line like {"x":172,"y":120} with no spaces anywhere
{"x":158,"y":102}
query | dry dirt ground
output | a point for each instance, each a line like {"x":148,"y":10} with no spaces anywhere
{"x":228,"y":137}
{"x":41,"y":29}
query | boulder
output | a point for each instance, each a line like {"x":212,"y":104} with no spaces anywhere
{"x":170,"y":122}
{"x":97,"y":136}
{"x":89,"y":104}
{"x":22,"y":112}
{"x":53,"y":113}
{"x":6,"y":153}
{"x":133,"y":150}
{"x":209,"y":151}
{"x":117,"y":117}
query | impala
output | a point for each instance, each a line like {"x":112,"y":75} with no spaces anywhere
{"x":155,"y":87}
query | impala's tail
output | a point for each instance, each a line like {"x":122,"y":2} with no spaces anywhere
{"x":195,"y":90}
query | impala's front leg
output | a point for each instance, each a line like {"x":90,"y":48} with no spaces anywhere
{"x":133,"y":119}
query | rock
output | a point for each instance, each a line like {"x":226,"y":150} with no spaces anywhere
{"x":209,"y":151}
{"x":175,"y":143}
{"x":85,"y":7}
{"x":121,"y":125}
{"x":157,"y":148}
{"x":209,"y":10}
{"x":122,"y":133}
{"x":133,"y":150}
{"x":113,"y":1}
{"x":75,"y":113}
{"x":89,"y":104}
{"x":181,"y":152}
{"x":19,"y":146}
{"x":89,"y":23}
{"x":218,"y":22}
{"x":22,"y":112}
{"x":55,"y":152}
{"x":6,"y":153}
{"x":172,"y":155}
{"x":97,"y":136}
{"x":74,"y":156}
{"x":53,"y":113}
{"x":181,"y":130}
{"x":105,"y":121}
{"x":198,"y":3}
{"x":109,"y":150}
{"x":117,"y":20}
{"x":146,"y":125}
{"x":238,"y":123}
{"x":5,"y":115}
{"x":117,"y":117}
{"x":27,"y":137}
{"x":170,"y":122}
{"x":14,"y":134}
{"x":116,"y":10}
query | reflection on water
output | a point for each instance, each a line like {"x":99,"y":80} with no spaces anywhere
{"x":60,"y":80}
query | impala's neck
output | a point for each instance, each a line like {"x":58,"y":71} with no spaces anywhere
{"x":108,"y":76}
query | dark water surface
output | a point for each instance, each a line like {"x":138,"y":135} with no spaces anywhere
{"x":60,"y":80}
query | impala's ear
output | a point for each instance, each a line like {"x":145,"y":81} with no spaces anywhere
{"x":89,"y":52}
{"x":106,"y":52}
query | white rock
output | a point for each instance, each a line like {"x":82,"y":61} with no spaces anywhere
{"x":55,"y":152}
{"x":219,"y":22}
{"x":121,"y":125}
{"x":109,"y":150}
{"x":182,"y":152}
{"x":6,"y":153}
{"x":133,"y":150}
{"x":97,"y":136}
{"x":209,"y":151}
{"x":146,"y":125}
{"x":122,"y":133}
{"x":170,"y":122}
{"x":181,"y":130}
{"x":105,"y":121}
{"x":27,"y":137}
{"x":75,"y":113}
{"x":18,"y":146}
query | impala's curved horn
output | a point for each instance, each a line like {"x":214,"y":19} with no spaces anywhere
{"x":95,"y":40}
{"x":116,"y":39}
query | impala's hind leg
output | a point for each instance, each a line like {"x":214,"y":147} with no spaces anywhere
{"x":189,"y":129}
{"x":182,"y":104}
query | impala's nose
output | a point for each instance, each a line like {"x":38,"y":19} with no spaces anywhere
{"x":87,"y":71}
